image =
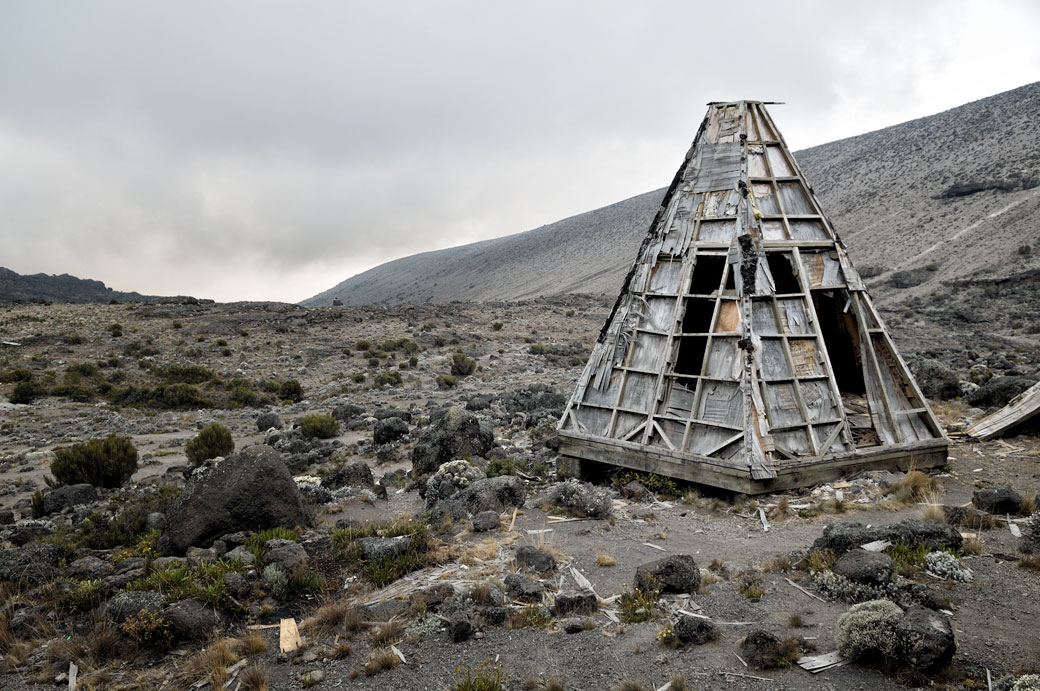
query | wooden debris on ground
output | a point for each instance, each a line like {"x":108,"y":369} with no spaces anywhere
{"x":289,"y":636}
{"x":1022,"y":407}
{"x":821,"y":663}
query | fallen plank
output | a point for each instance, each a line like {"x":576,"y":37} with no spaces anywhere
{"x":745,"y":676}
{"x":258,"y":627}
{"x":73,"y":673}
{"x":765,"y":523}
{"x":820,"y":663}
{"x":288,"y":636}
{"x":1021,"y":408}
{"x":876,"y":546}
{"x":396,"y":651}
{"x":647,"y":544}
{"x":513,"y":522}
{"x":812,"y":595}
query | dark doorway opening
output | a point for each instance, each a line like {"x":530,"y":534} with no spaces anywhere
{"x":841,"y":336}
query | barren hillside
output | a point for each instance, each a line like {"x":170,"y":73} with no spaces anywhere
{"x":948,"y":197}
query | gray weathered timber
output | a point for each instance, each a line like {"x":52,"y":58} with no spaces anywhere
{"x":741,"y":331}
{"x":1022,"y":408}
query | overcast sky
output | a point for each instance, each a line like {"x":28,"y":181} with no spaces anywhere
{"x":268,"y":150}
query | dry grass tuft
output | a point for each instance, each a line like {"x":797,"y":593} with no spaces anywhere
{"x":481,"y":592}
{"x":971,"y":545}
{"x":933,"y":509}
{"x":795,"y":621}
{"x":477,"y":553}
{"x":915,"y":487}
{"x":211,"y":663}
{"x":630,"y":685}
{"x":387,"y":633}
{"x":533,"y":683}
{"x":780,"y":564}
{"x":253,"y":678}
{"x":253,"y":643}
{"x":327,"y":618}
{"x":353,"y":619}
{"x":1031,"y":561}
{"x":1028,"y":506}
{"x":341,"y":649}
{"x":678,"y":683}
{"x":379,"y":661}
{"x":604,"y":559}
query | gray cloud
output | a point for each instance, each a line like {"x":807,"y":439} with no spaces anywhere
{"x":260,"y":150}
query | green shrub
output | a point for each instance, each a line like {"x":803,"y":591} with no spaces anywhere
{"x":185,"y":374}
{"x":497,"y":326}
{"x":85,"y":597}
{"x":27,"y":391}
{"x":116,"y":330}
{"x":504,"y":466}
{"x":37,"y":504}
{"x":15,"y":375}
{"x":536,"y":349}
{"x":276,"y":581}
{"x":320,"y":426}
{"x":384,"y":571}
{"x":108,"y":462}
{"x":86,"y":369}
{"x":413,"y":362}
{"x":256,"y":543}
{"x":439,"y":341}
{"x":214,"y":440}
{"x":80,"y":394}
{"x":486,"y":677}
{"x":148,"y":629}
{"x":462,"y":366}
{"x":391,"y":377}
{"x":445,"y":381}
{"x":363,"y":345}
{"x":242,"y":396}
{"x":291,"y":390}
{"x":867,"y":630}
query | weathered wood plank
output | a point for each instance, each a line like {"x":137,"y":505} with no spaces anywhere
{"x":1021,"y":409}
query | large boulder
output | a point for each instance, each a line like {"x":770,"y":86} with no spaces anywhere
{"x":453,"y":433}
{"x":925,"y":639}
{"x":34,"y":564}
{"x":191,"y":620}
{"x":998,"y":500}
{"x":449,"y":478}
{"x":582,"y":498}
{"x":61,"y":498}
{"x":349,"y":475}
{"x":937,"y":381}
{"x":999,"y":391}
{"x":250,"y":490}
{"x":842,"y":536}
{"x":389,"y":430}
{"x":675,"y":574}
{"x":861,"y":566}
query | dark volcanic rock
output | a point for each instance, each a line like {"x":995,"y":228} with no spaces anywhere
{"x":268,"y":420}
{"x":925,"y":639}
{"x":937,"y":381}
{"x":842,"y":536}
{"x":535,"y":559}
{"x":861,"y":566}
{"x":999,"y":391}
{"x":122,"y":606}
{"x":522,"y":588}
{"x":761,"y":648}
{"x":350,"y":475}
{"x":379,"y":548}
{"x":485,"y":521}
{"x":387,"y":413}
{"x":582,"y":498}
{"x":68,"y":496}
{"x":461,"y":627}
{"x":389,"y":430}
{"x":191,"y":620}
{"x":575,"y":602}
{"x":694,"y":629}
{"x":453,"y":433}
{"x":998,"y":500}
{"x":37,"y":563}
{"x":250,"y":490}
{"x":675,"y":574}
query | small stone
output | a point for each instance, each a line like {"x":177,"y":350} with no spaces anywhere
{"x":535,"y":559}
{"x":380,"y":548}
{"x":575,"y":601}
{"x":997,"y":500}
{"x":572,"y":625}
{"x":315,"y":676}
{"x":635,"y":490}
{"x":861,"y":566}
{"x":485,"y":521}
{"x":461,"y":627}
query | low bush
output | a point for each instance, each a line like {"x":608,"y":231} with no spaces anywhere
{"x":214,"y":440}
{"x":867,"y":630}
{"x":445,"y":381}
{"x":12,"y":376}
{"x":108,"y":462}
{"x":185,"y":374}
{"x":27,"y":391}
{"x":384,"y":571}
{"x":320,"y":426}
{"x":486,"y":677}
{"x":290,"y":390}
{"x":387,"y":378}
{"x":462,"y":366}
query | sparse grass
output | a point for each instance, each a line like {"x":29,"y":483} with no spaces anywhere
{"x":253,"y":643}
{"x":327,"y":618}
{"x":819,"y":560}
{"x":604,"y":559}
{"x":750,"y":586}
{"x":253,"y":678}
{"x":795,"y":621}
{"x":481,"y":592}
{"x":913,"y":488}
{"x":385,"y":571}
{"x":529,"y":617}
{"x":630,"y":685}
{"x":779,"y":564}
{"x":678,"y":682}
{"x":211,"y":664}
{"x":387,"y":632}
{"x":971,"y":545}
{"x":341,"y":649}
{"x":1028,"y":506}
{"x":636,"y":606}
{"x":379,"y":661}
{"x":933,"y":509}
{"x":1031,"y":561}
{"x":486,"y":677}
{"x":906,"y":559}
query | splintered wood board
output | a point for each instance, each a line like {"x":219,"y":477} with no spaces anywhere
{"x":288,"y":636}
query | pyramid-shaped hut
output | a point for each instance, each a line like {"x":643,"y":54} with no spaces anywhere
{"x":743,"y":351}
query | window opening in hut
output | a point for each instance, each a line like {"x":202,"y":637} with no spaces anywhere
{"x":841,"y":336}
{"x":783,"y":273}
{"x":707,"y":274}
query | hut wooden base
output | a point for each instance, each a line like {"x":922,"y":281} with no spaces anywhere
{"x":585,"y":456}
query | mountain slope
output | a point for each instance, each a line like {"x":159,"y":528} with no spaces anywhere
{"x":945,"y":197}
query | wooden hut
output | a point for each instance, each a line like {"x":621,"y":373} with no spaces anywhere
{"x":743,"y":351}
